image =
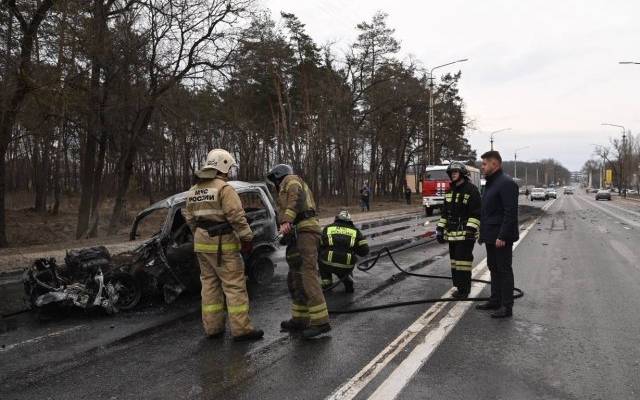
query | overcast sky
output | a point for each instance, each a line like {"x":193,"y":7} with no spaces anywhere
{"x":547,"y":69}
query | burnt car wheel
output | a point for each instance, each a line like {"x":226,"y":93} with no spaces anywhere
{"x":261,"y":269}
{"x":129,"y":292}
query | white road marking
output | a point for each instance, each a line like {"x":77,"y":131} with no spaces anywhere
{"x":355,"y":385}
{"x":40,"y":338}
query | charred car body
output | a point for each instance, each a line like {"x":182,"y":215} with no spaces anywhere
{"x":163,"y":265}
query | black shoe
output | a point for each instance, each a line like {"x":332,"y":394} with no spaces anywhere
{"x":292,"y":325}
{"x":255,"y":334}
{"x":487,"y":306}
{"x":503,"y":312}
{"x":458,"y":294}
{"x":316,"y":330}
{"x":216,"y":335}
{"x":348,"y":286}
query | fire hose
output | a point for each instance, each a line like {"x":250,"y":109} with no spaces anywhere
{"x":370,"y":263}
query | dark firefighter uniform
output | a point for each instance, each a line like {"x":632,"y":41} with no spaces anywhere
{"x":459,"y":225}
{"x":297,"y":207}
{"x":340,"y":245}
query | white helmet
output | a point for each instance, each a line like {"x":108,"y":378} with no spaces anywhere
{"x":218,"y":160}
{"x":344,"y":215}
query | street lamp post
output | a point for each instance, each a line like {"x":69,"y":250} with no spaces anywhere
{"x":430,"y":136}
{"x":494,"y":132}
{"x":622,"y":155}
{"x":515,"y":161}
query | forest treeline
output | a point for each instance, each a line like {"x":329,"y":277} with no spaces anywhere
{"x":102,"y":98}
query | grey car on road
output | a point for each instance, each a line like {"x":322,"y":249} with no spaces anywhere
{"x":603,"y":194}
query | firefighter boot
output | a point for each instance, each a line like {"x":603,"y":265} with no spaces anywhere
{"x":254,"y":334}
{"x":487,"y":306}
{"x":293,"y":325}
{"x":503,"y":312}
{"x":316,"y":330}
{"x":348,"y":284}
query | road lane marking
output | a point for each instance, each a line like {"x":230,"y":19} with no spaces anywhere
{"x":40,"y":338}
{"x":357,"y":383}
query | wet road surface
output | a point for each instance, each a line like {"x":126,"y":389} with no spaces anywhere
{"x":574,"y":334}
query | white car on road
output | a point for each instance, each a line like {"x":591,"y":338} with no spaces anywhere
{"x":538,"y":194}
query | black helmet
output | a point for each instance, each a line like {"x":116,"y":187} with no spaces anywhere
{"x":277,"y":173}
{"x":457,"y":166}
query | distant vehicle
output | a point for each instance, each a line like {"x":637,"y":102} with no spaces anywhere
{"x":632,"y":191}
{"x":592,"y":190}
{"x":603,"y":194}
{"x":552,"y":193}
{"x":538,"y":194}
{"x":436,"y":182}
{"x":568,"y":190}
{"x":522,"y":190}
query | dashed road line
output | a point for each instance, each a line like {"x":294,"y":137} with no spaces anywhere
{"x":40,"y":338}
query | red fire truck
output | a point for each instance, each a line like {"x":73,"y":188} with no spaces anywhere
{"x":435,"y":182}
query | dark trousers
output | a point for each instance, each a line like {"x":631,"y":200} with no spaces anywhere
{"x":499,"y":261}
{"x":364,"y":203}
{"x":327,"y":272}
{"x":461,"y":255}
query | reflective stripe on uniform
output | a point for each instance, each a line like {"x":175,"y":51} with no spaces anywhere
{"x":319,"y":311}
{"x":299,"y":311}
{"x":239,"y":309}
{"x":308,"y":222}
{"x":290,"y":213}
{"x":464,"y":265}
{"x":363,"y":243}
{"x":212,"y":308}
{"x":214,"y":248}
{"x":207,"y":212}
{"x":349,"y":258}
{"x":330,"y":256}
{"x":474,"y":223}
{"x":337,"y":265}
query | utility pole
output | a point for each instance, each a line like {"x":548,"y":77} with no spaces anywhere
{"x":430,"y":135}
{"x":515,"y":161}
{"x":493,"y":133}
{"x":622,"y":154}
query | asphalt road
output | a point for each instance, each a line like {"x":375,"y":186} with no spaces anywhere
{"x":574,"y":334}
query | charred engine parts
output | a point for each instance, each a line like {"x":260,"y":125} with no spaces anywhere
{"x":87,"y":280}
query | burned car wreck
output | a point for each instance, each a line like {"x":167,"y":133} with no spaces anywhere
{"x":163,"y":265}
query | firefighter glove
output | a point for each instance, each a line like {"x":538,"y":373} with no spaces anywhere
{"x":246,"y":247}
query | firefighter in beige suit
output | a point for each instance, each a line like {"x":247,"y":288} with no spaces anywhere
{"x":298,"y":221}
{"x":220,"y":231}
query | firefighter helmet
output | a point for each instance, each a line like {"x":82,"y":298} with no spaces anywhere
{"x":277,"y":173}
{"x":218,"y":160}
{"x":457,"y":166}
{"x":343,"y":215}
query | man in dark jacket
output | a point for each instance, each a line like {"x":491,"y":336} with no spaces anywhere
{"x":459,"y":225}
{"x":340,"y":245}
{"x":498,"y":231}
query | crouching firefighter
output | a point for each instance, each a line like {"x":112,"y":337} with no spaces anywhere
{"x":459,"y":225}
{"x":340,"y":245}
{"x":220,"y":231}
{"x":301,"y":229}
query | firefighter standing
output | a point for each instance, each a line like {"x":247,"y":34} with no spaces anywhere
{"x":459,"y":225}
{"x":340,"y":245}
{"x":220,"y":231}
{"x":298,"y":222}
